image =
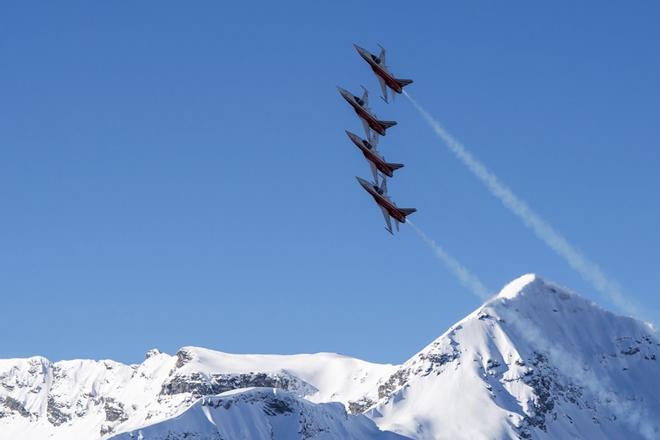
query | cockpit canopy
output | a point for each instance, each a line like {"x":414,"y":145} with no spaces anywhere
{"x":376,"y":59}
{"x":359,"y":100}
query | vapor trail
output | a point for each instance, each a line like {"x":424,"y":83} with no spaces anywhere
{"x":586,"y":268}
{"x":466,"y":278}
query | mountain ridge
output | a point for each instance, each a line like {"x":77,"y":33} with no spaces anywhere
{"x":534,"y":361}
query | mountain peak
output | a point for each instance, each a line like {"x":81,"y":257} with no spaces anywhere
{"x":521,"y":284}
{"x":540,"y":362}
{"x":151,"y":353}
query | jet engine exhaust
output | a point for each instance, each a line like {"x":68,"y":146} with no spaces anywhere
{"x":589,"y":271}
{"x":465,"y":277}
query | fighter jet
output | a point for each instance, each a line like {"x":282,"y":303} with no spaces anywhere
{"x":361,"y":107}
{"x":386,"y":79}
{"x":376,"y":161}
{"x":386,"y":205}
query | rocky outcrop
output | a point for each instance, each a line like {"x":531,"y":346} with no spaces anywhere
{"x":9,"y":405}
{"x":198,"y":384}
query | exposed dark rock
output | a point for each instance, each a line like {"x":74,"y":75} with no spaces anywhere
{"x":58,"y":373}
{"x":54,"y":412}
{"x":438,"y":359}
{"x":182,"y":358}
{"x":492,"y":364}
{"x":153,"y":352}
{"x":483,"y":315}
{"x":114,"y":411}
{"x":106,"y":429}
{"x":276,"y":406}
{"x":395,"y":381}
{"x":542,"y":384}
{"x":545,"y":381}
{"x":13,"y":406}
{"x":202,"y":385}
{"x":360,"y":406}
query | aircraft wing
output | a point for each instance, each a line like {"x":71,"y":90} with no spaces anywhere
{"x":374,"y":170}
{"x":383,"y":186}
{"x":383,"y":88}
{"x":388,"y":221}
{"x":381,"y":56}
{"x":367,"y":130}
{"x":373,"y":139}
{"x":365,"y":99}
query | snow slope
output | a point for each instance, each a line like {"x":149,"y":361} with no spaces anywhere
{"x":262,"y":413}
{"x":95,"y":399}
{"x":534,"y":362}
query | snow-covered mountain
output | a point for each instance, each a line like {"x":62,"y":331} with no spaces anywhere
{"x":535,"y":361}
{"x":86,"y":399}
{"x":262,"y":413}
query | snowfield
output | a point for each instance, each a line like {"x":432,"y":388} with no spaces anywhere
{"x":534,"y":362}
{"x":262,"y":413}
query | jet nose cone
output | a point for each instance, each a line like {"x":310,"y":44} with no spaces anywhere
{"x":352,"y":136}
{"x":362,"y":182}
{"x":344,"y":93}
{"x":360,"y":50}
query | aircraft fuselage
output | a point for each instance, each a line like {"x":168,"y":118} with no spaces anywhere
{"x":386,"y":76}
{"x":370,"y":119}
{"x":385,"y":203}
{"x":371,"y":155}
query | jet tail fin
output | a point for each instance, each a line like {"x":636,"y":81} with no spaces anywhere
{"x":395,"y":166}
{"x":387,"y":124}
{"x":407,"y":211}
{"x":404,"y":82}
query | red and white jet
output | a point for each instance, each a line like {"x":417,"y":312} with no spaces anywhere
{"x":361,"y":107}
{"x":385,"y":77}
{"x":386,"y":205}
{"x":376,"y":161}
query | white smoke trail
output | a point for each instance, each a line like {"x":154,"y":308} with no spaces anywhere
{"x":586,"y":268}
{"x":466,"y":278}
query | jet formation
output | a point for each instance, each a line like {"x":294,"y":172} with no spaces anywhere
{"x":381,"y":170}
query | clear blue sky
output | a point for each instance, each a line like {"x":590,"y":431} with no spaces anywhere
{"x":178,"y":174}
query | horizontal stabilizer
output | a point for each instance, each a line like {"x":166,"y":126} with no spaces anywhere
{"x":407,"y":211}
{"x":387,"y":124}
{"x":395,"y":166}
{"x":404,"y":82}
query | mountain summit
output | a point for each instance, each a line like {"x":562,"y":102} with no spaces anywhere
{"x":534,"y":362}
